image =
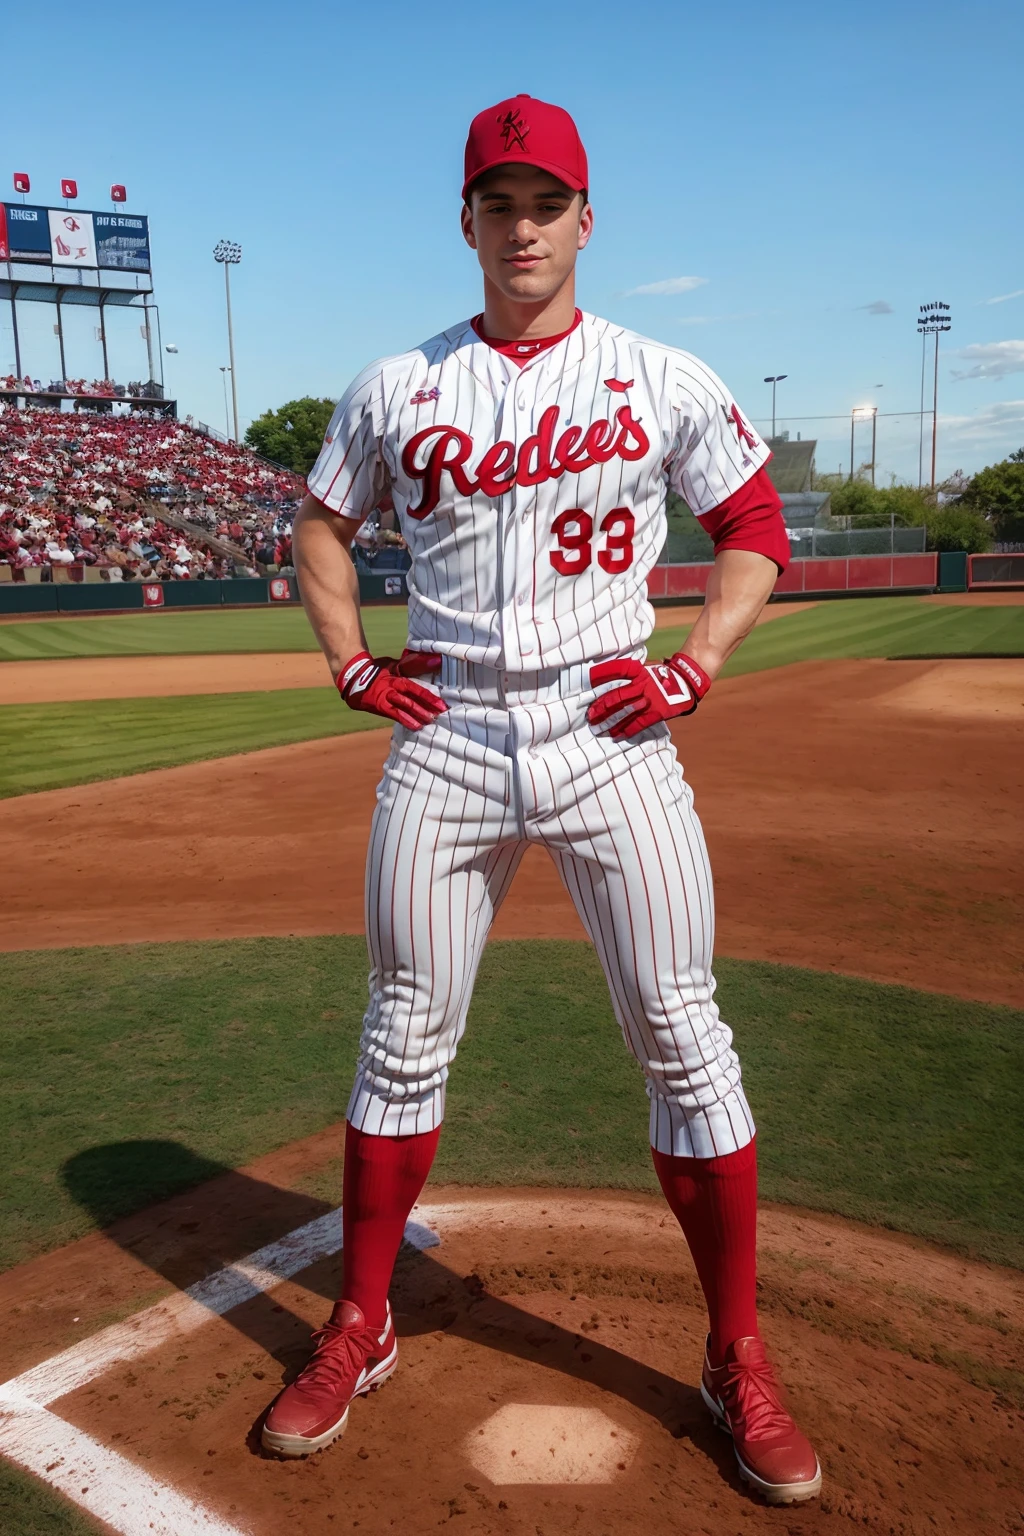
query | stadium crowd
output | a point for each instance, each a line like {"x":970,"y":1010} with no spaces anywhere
{"x":98,"y":389}
{"x":86,"y":490}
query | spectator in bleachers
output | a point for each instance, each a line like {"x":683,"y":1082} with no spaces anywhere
{"x":91,"y":486}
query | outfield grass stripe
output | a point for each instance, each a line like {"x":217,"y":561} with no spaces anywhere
{"x":52,"y":746}
{"x":187,"y":634}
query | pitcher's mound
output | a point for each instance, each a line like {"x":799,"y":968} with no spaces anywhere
{"x":550,"y":1348}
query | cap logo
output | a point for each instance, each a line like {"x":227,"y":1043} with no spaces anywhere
{"x":513,"y":128}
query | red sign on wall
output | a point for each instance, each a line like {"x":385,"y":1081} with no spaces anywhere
{"x":21,"y":182}
{"x":118,"y":193}
{"x":68,"y":188}
{"x":280,"y":591}
{"x":153,"y":595}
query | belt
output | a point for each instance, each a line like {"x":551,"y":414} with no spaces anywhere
{"x":537,"y":686}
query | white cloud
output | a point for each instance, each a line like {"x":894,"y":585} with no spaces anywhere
{"x":877,"y":307}
{"x":668,"y":285}
{"x":1004,"y":420}
{"x":991,"y":360}
{"x":1003,"y":297}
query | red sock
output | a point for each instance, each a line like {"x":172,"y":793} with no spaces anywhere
{"x":714,"y":1199}
{"x":383,"y":1179}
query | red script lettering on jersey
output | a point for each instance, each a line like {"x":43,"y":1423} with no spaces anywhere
{"x":540,"y":457}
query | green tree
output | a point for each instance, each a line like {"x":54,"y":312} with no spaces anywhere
{"x":998,"y":493}
{"x":957,"y":527}
{"x":292,"y":435}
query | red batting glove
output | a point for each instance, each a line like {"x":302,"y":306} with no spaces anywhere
{"x":385,"y":687}
{"x":650,"y":692}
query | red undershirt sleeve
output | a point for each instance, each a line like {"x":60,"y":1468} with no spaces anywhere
{"x":751,"y":518}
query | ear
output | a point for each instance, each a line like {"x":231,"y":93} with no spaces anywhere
{"x":586,"y":227}
{"x":468,"y":232}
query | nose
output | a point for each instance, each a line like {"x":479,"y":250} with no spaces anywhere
{"x":523,"y":232}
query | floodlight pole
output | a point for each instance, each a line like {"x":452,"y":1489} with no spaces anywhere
{"x":920,"y":419}
{"x":231,"y":348}
{"x":935,"y":408}
{"x":229,"y":253}
{"x":853,"y":418}
{"x":931,"y":319}
{"x":874,"y":440}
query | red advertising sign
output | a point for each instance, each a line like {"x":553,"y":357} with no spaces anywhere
{"x":118,"y":193}
{"x":68,"y":188}
{"x":280,"y":591}
{"x":21,"y":182}
{"x":153,"y":594}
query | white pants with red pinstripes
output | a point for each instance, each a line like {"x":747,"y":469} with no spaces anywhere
{"x":514,"y":762}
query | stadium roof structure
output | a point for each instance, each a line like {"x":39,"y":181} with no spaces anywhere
{"x":791,"y":464}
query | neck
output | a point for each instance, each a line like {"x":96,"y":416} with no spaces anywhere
{"x":508,"y":319}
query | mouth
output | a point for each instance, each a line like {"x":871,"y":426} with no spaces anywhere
{"x":524,"y":262}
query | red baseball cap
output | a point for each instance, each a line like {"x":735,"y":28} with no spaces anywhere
{"x":525,"y":131}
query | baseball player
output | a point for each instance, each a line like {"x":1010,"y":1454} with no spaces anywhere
{"x":528,"y":452}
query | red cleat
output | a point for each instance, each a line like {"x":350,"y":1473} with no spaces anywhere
{"x":350,"y":1360}
{"x":773,"y":1456}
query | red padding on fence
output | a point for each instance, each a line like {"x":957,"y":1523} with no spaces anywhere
{"x":857,"y":573}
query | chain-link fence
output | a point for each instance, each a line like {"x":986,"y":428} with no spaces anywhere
{"x":818,"y":543}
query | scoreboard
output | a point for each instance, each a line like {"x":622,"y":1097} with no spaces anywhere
{"x":65,"y":237}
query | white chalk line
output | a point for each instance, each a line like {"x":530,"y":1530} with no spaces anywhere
{"x":101,"y":1481}
{"x":107,"y":1484}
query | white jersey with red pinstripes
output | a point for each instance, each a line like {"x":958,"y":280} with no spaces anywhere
{"x":532,"y":498}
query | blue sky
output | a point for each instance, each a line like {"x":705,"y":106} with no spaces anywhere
{"x":821,"y":170}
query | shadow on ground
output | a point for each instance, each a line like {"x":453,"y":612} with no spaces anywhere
{"x":223,"y":1215}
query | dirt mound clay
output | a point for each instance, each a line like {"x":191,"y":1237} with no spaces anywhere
{"x":550,"y":1351}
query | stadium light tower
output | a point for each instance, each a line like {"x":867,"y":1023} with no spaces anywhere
{"x":932,"y":319}
{"x":773,"y":379}
{"x":229,"y":252}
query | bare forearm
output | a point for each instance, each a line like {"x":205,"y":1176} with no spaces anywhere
{"x":328,"y":582}
{"x":740,"y":585}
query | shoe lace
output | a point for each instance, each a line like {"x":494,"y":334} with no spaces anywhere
{"x":338,"y":1354}
{"x":752,"y":1395}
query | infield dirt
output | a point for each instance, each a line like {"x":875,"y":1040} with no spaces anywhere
{"x":862,"y":816}
{"x":548,"y":1323}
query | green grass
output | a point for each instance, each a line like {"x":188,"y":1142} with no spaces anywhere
{"x":49,"y":746}
{"x":862,"y":626}
{"x":873,"y":1102}
{"x":186,"y":634}
{"x":29,"y":1508}
{"x":866,"y":627}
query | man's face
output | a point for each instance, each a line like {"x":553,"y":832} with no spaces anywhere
{"x":526,"y":228}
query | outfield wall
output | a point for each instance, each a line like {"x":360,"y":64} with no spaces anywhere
{"x":865,"y":574}
{"x":69,"y":597}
